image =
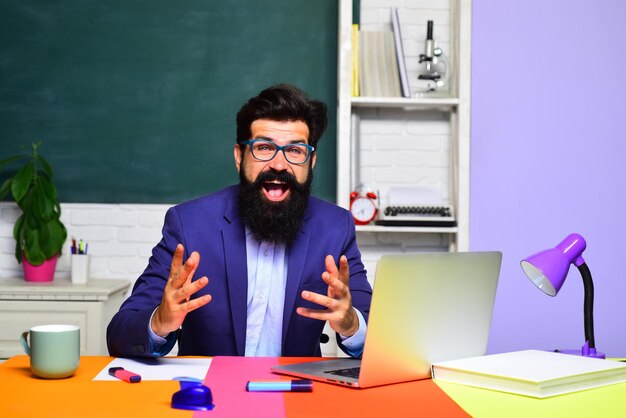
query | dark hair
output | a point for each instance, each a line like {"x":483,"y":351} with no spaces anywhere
{"x":283,"y":102}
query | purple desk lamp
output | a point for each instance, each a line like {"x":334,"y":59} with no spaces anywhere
{"x":547,"y":270}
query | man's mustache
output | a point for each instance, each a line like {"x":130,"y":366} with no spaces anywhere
{"x":283,"y":177}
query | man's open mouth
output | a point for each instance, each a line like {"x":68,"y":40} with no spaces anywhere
{"x":275,"y":190}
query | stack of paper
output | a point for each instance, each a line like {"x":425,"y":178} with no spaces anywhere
{"x":379,"y":65}
{"x":356,"y":58}
{"x":404,"y":80}
{"x":533,"y":373}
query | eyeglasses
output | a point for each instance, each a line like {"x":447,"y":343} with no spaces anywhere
{"x":266,"y":150}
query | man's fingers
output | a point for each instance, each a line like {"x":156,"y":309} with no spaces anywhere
{"x":182,"y":274}
{"x":191,"y":266}
{"x":342,"y":272}
{"x":196,"y":303}
{"x":168,"y":318}
{"x":338,"y":312}
{"x":336,"y":287}
{"x":344,"y":269}
{"x":331,"y":267}
{"x":318,"y":299}
{"x":314,"y":314}
{"x":184,"y":293}
{"x":177,"y":261}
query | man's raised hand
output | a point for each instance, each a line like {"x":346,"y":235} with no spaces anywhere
{"x":338,"y":302}
{"x":176,"y":303}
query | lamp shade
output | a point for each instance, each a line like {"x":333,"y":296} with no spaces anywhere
{"x":547,"y":269}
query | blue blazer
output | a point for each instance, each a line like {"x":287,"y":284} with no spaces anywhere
{"x":211,"y":225}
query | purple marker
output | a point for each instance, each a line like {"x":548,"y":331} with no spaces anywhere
{"x":301,"y":385}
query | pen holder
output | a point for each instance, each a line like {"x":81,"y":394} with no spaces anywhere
{"x":80,"y":268}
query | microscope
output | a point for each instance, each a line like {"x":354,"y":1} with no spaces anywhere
{"x":436,"y":75}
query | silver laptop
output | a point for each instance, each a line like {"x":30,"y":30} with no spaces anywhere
{"x":426,"y":308}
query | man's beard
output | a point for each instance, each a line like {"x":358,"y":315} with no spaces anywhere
{"x":277,"y":222}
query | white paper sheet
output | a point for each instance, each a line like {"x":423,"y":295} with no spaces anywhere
{"x":163,"y":368}
{"x":415,"y":195}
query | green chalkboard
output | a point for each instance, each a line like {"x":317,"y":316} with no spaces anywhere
{"x":135,"y":100}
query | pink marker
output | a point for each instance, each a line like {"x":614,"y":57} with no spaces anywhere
{"x":124,"y":375}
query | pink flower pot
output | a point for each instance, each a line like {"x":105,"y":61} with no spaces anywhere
{"x":41,"y":273}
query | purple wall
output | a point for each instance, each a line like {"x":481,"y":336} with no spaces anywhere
{"x":549,"y":158}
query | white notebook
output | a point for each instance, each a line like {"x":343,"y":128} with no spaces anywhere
{"x":534,"y":373}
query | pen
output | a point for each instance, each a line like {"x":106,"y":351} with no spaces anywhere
{"x":124,"y":375}
{"x":301,"y":385}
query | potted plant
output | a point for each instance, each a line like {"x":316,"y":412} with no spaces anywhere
{"x":38,"y":232}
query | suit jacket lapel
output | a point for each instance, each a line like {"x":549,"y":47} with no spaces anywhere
{"x":295,"y":267}
{"x":234,"y":242}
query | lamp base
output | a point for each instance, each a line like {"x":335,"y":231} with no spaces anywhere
{"x":584,"y":351}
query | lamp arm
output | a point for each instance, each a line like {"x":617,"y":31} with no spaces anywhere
{"x":588,"y":304}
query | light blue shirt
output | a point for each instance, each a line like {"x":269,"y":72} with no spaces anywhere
{"x":267,"y":277}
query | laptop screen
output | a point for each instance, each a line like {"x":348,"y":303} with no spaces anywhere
{"x":429,"y":307}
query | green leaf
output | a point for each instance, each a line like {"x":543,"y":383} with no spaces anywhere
{"x":31,"y":222}
{"x":52,"y":238}
{"x":26,"y":204}
{"x":47,"y":168}
{"x":33,"y":206}
{"x":17,"y":228}
{"x":5,"y":188}
{"x":43,"y":205}
{"x":46,"y":241}
{"x":18,"y":234}
{"x":63,"y":234}
{"x":46,"y":184}
{"x":35,"y":257}
{"x":57,"y":209}
{"x":11,"y":159}
{"x":22,"y":181}
{"x":32,"y":250}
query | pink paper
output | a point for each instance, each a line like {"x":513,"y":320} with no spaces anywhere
{"x":227,"y":378}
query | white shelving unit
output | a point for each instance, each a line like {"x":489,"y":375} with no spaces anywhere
{"x":450,"y":113}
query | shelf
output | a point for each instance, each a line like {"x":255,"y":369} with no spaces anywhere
{"x":61,"y":290}
{"x":409,"y":229}
{"x":367,"y":125}
{"x":419,"y":103}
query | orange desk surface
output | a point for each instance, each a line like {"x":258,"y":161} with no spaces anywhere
{"x":23,"y":395}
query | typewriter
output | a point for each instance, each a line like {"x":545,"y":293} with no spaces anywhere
{"x":415,"y":215}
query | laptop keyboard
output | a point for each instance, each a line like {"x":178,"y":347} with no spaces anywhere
{"x":351,"y":372}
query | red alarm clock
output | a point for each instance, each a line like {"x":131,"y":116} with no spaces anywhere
{"x":363,"y":207}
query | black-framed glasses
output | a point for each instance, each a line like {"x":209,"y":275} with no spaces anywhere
{"x":266,"y":150}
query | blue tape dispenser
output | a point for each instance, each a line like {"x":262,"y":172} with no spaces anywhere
{"x":193,"y":395}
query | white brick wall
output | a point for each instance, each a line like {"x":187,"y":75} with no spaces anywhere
{"x":398,"y":151}
{"x":120,"y":237}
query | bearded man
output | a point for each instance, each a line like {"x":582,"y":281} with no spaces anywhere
{"x":255,"y":269}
